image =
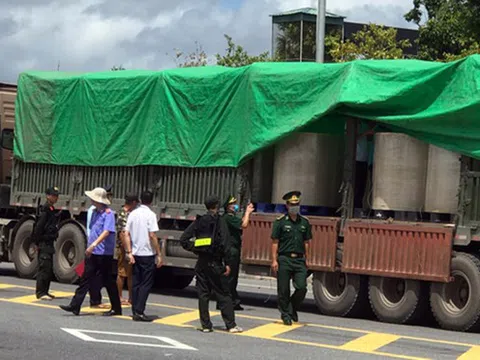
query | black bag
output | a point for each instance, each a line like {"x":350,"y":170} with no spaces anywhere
{"x":206,"y":235}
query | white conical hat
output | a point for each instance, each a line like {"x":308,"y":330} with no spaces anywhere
{"x":98,"y":195}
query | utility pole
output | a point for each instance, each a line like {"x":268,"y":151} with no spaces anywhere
{"x":321,"y":15}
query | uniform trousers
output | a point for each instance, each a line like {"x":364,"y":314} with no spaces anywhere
{"x":97,"y":265}
{"x":44,"y":273}
{"x":296,"y":269}
{"x":209,"y":274}
{"x":142,"y":282}
{"x":233,"y":278}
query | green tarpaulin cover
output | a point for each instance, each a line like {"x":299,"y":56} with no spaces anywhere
{"x":216,"y":116}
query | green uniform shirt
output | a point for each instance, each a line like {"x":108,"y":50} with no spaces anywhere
{"x":235,"y":230}
{"x":291,"y":235}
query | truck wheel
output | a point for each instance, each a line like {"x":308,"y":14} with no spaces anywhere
{"x":69,"y":252}
{"x":24,"y":255}
{"x":397,"y":301}
{"x":340,"y":294}
{"x":455,"y":304}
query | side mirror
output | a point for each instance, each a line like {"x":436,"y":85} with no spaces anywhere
{"x":6,"y":140}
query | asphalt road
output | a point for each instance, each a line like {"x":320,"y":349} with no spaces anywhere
{"x":37,"y":330}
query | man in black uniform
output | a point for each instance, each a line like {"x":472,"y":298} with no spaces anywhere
{"x":45,"y":233}
{"x":213,"y":267}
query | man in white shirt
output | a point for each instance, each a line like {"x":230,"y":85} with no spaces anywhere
{"x":142,"y":249}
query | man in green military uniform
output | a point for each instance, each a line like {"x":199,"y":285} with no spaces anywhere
{"x":44,"y":235}
{"x":235,"y":226}
{"x":291,"y":234}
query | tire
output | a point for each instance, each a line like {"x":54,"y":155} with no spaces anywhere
{"x":166,"y":278}
{"x":69,"y":252}
{"x":398,"y":301}
{"x":340,"y":294}
{"x":24,"y":255}
{"x":455,"y":305}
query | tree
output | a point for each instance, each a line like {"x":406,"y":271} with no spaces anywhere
{"x":117,"y":68}
{"x":451,"y":27}
{"x":372,"y":42}
{"x":194,"y":59}
{"x":236,"y":56}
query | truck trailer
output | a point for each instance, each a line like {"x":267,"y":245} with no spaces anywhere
{"x":188,"y":133}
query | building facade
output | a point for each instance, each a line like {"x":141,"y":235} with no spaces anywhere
{"x":294,"y":34}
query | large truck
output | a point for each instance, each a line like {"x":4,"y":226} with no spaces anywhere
{"x":400,"y":269}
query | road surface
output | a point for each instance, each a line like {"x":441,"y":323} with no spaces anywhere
{"x":31,"y":329}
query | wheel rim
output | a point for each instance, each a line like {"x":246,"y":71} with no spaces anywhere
{"x":68,"y":254}
{"x":392,"y":291}
{"x":456,"y":294}
{"x":333,"y":285}
{"x":27,"y":251}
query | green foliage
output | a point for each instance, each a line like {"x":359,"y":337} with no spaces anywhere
{"x":193,"y":59}
{"x":236,"y":56}
{"x":448,"y":28}
{"x":372,"y":42}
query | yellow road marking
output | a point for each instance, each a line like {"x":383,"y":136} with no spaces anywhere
{"x":28,"y":299}
{"x":62,"y":294}
{"x":6,"y":286}
{"x":334,"y":347}
{"x":31,"y":303}
{"x":370,"y":342}
{"x":89,"y":310}
{"x":171,"y":306}
{"x":182,"y":319}
{"x":270,"y":330}
{"x":472,"y":354}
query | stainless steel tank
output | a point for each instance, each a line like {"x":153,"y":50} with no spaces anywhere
{"x":312,"y":164}
{"x":443,"y":179}
{"x":399,"y":172}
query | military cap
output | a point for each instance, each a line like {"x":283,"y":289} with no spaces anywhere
{"x":108,"y":188}
{"x":292,"y":197}
{"x":55,"y":191}
{"x":229,"y":200}
{"x":212,"y":201}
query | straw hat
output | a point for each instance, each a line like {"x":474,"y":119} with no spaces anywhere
{"x":98,"y":195}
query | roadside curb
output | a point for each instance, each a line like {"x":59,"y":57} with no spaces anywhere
{"x":254,"y":277}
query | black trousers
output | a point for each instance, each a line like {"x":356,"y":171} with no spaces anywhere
{"x":210,"y":278}
{"x":97,"y":264}
{"x":142,"y":282}
{"x":233,"y":278}
{"x":44,"y":273}
{"x":95,"y":291}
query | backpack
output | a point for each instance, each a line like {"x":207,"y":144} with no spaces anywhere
{"x":207,"y":239}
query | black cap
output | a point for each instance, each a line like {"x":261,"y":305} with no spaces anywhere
{"x":131,"y":197}
{"x":55,"y":191}
{"x":212,"y":201}
{"x":108,"y":188}
{"x":292,"y":197}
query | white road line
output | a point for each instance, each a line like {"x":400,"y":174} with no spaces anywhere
{"x":172,"y":344}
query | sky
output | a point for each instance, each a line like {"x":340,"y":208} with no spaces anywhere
{"x":94,"y":35}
